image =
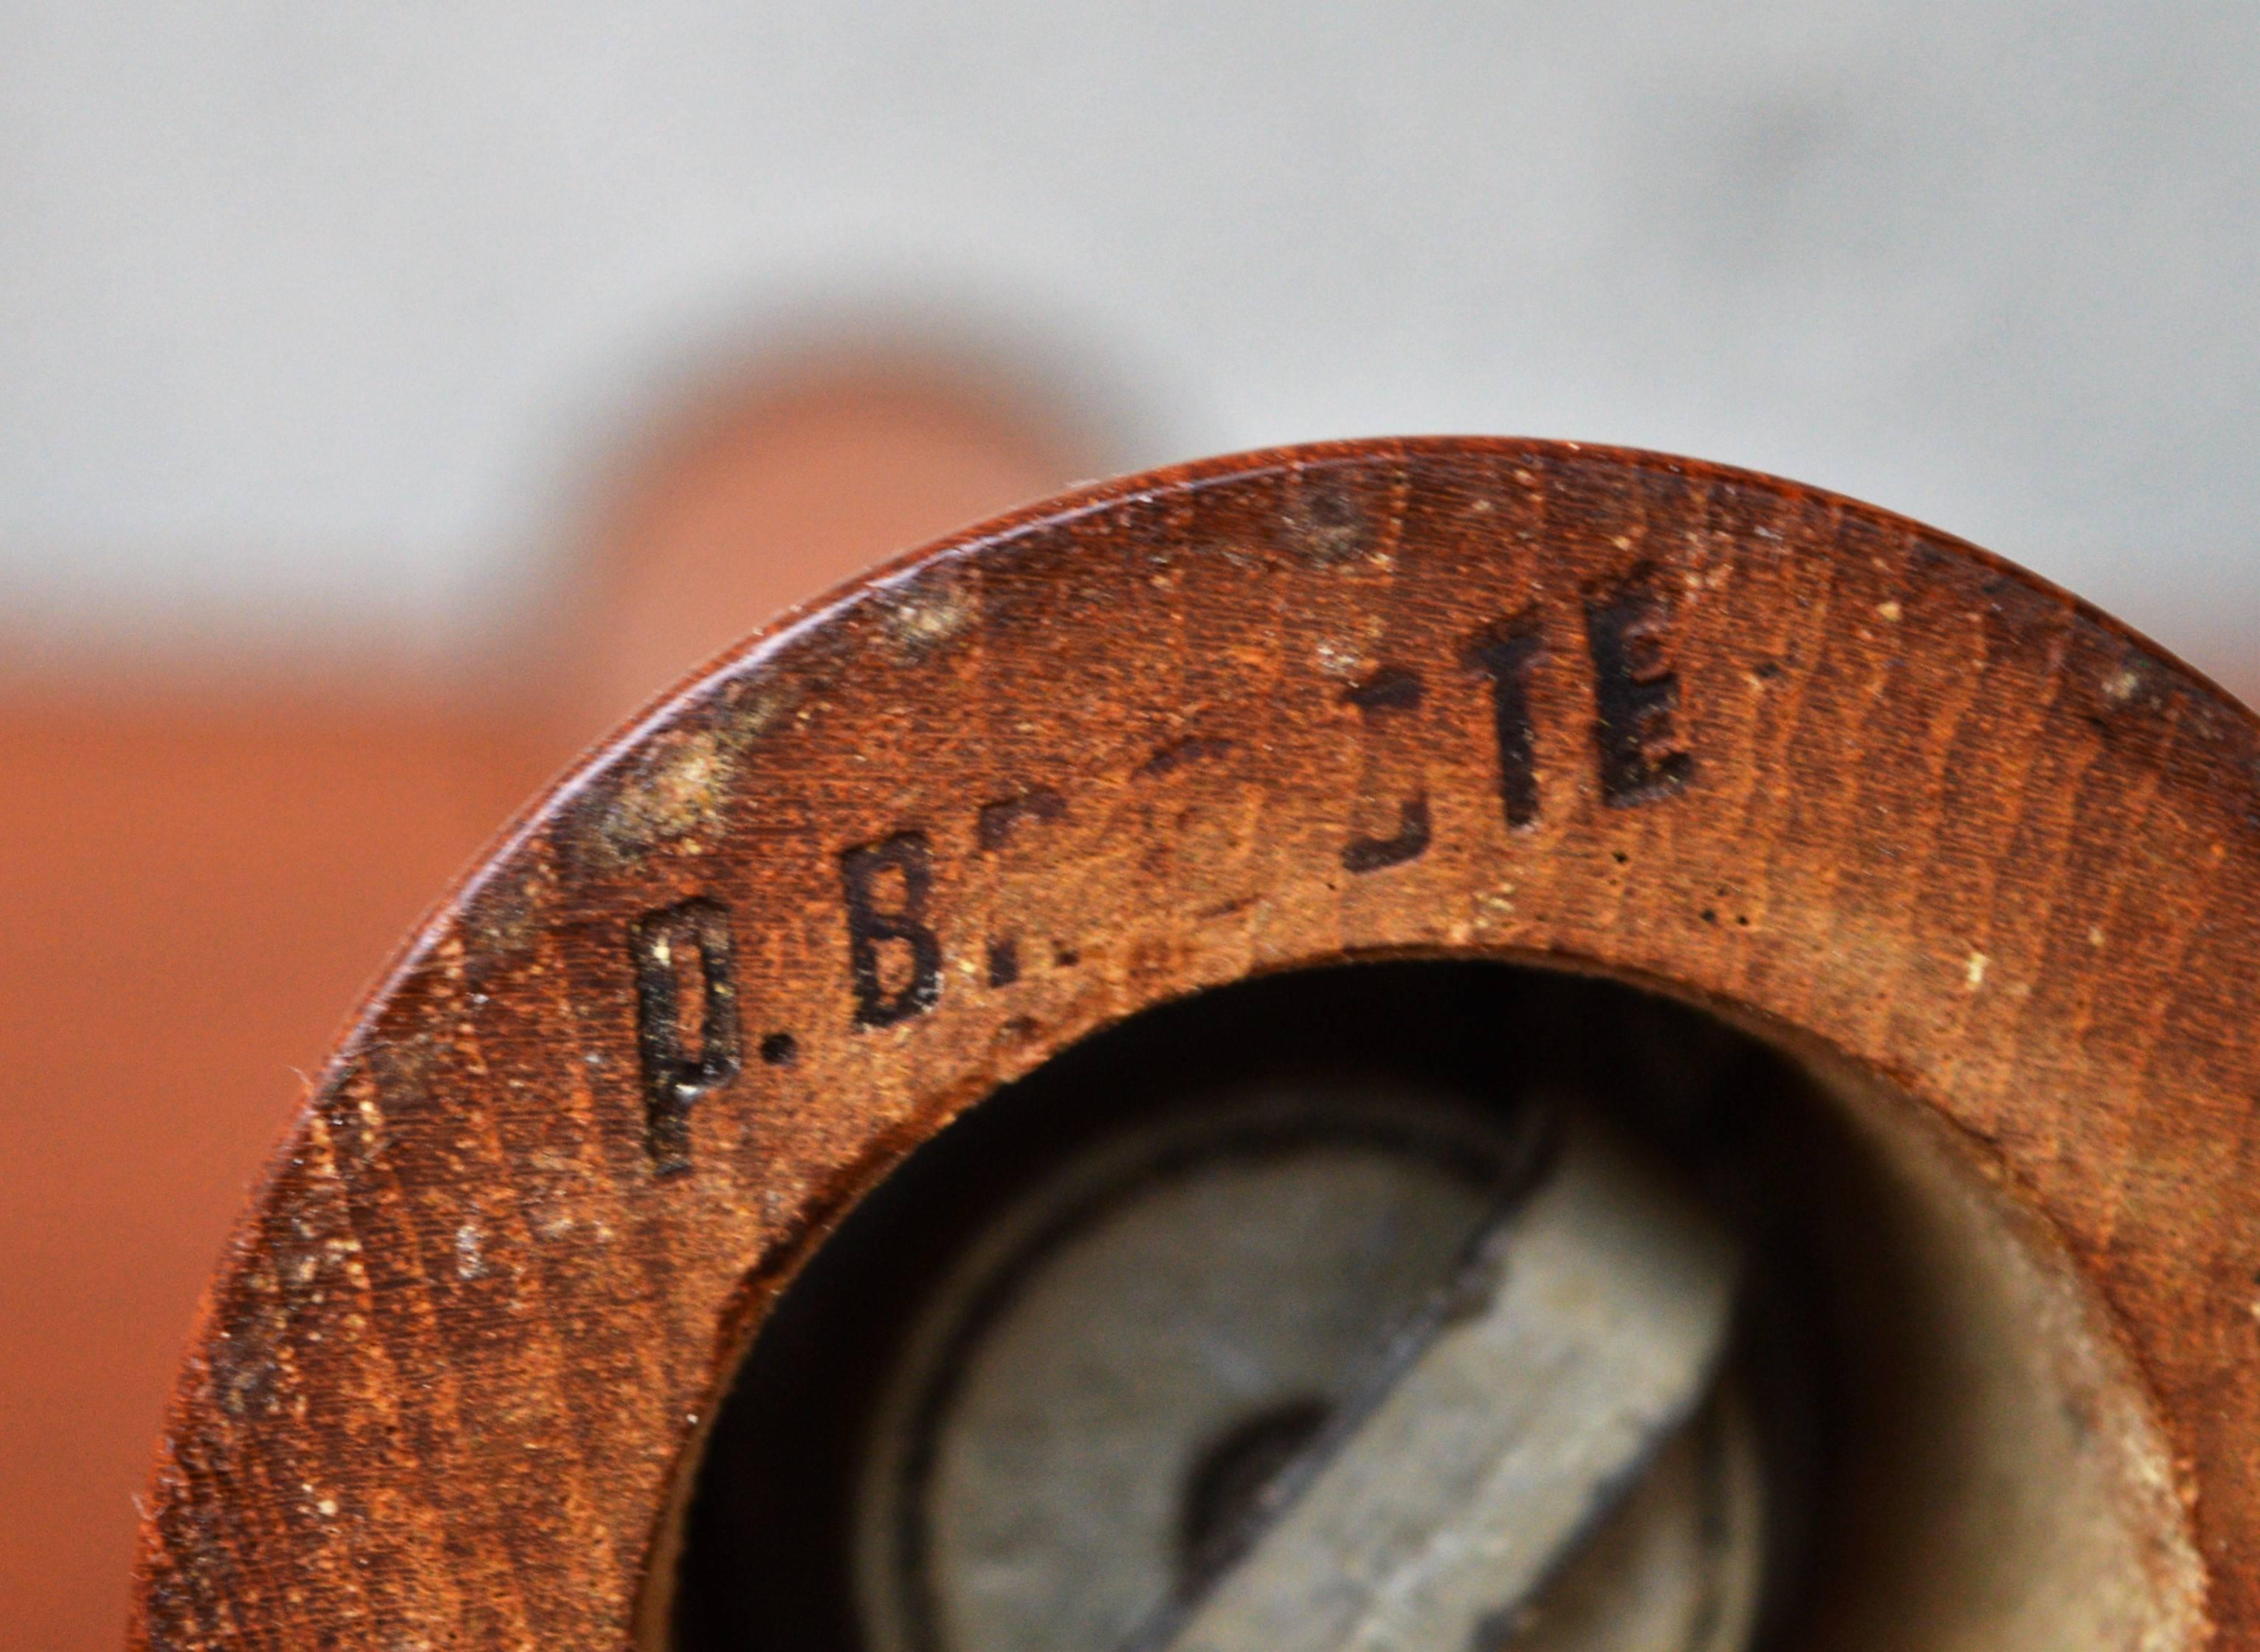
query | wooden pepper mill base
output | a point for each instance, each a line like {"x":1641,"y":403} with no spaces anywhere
{"x":1901,"y":904}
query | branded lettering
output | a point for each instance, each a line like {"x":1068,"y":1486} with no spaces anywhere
{"x":687,"y":1037}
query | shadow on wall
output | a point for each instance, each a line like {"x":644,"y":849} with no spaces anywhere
{"x":203,"y":871}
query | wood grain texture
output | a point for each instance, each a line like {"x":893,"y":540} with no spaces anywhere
{"x":1840,"y":774}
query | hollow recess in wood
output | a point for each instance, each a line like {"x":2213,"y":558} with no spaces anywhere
{"x":1953,"y":1449}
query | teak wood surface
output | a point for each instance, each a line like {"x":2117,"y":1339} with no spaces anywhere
{"x":1769,"y":749}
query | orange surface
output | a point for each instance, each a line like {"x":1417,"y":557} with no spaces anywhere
{"x":199,"y":882}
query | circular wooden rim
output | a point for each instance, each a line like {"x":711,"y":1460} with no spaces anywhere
{"x":1826,"y":768}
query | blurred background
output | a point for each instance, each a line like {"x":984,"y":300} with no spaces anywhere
{"x":394,"y":394}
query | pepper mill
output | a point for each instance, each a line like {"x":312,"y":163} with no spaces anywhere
{"x":1438,"y":1045}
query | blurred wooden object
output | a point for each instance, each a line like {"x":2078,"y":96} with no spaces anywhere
{"x":203,"y":866}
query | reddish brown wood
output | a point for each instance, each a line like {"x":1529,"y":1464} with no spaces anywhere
{"x":1777,"y":751}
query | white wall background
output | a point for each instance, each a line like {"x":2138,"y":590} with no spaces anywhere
{"x":323,"y":313}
